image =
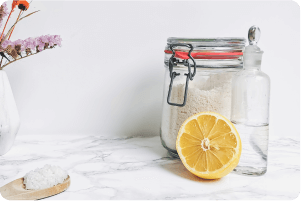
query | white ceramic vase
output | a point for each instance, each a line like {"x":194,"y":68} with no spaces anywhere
{"x":9,"y":117}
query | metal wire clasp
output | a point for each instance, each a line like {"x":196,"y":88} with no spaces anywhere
{"x":173,"y":62}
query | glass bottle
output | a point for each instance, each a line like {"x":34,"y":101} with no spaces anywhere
{"x":250,"y":108}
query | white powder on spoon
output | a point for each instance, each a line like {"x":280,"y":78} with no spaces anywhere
{"x":45,"y":177}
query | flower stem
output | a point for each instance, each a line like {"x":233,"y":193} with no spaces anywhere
{"x":6,"y":24}
{"x":19,"y":59}
{"x":1,"y":63}
{"x":14,"y":26}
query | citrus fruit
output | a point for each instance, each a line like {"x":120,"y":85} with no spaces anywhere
{"x":209,"y":145}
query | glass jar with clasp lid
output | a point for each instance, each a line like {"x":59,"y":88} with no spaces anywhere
{"x":198,"y":78}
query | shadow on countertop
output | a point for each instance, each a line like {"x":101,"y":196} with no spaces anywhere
{"x":179,"y":169}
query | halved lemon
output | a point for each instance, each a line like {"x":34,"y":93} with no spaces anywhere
{"x":209,"y":145}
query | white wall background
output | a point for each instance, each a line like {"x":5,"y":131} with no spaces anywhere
{"x":107,"y":79}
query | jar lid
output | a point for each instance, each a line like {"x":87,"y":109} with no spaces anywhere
{"x":208,"y":48}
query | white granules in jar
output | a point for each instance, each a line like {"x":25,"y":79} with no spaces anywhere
{"x":45,"y":177}
{"x":212,"y":94}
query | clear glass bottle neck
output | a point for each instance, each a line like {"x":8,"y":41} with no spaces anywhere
{"x":252,"y":68}
{"x":252,"y":61}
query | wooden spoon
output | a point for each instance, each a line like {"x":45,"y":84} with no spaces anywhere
{"x":15,"y":190}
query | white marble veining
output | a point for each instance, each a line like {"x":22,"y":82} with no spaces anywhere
{"x":140,"y":168}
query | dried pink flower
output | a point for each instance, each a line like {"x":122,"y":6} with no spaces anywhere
{"x":7,"y":43}
{"x":3,"y":12}
{"x":30,"y":45}
{"x":57,"y":40}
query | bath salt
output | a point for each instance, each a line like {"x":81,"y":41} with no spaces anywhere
{"x":212,"y":94}
{"x":45,"y":177}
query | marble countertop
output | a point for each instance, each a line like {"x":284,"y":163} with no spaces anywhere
{"x":140,"y":168}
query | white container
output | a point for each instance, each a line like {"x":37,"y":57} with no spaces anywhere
{"x":9,"y":117}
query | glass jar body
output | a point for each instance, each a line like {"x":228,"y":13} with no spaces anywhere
{"x":250,"y":116}
{"x":210,"y":90}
